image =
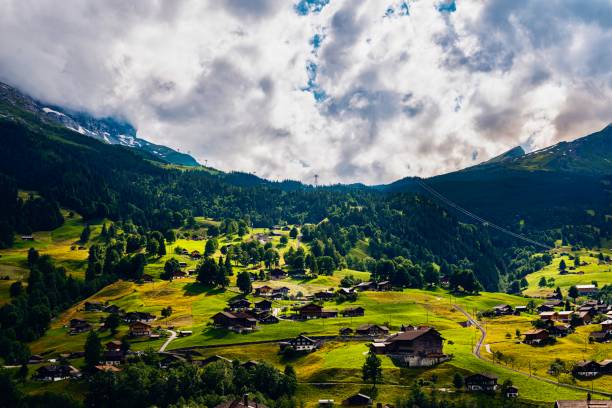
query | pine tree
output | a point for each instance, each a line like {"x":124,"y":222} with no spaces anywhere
{"x":228,"y":266}
{"x":244,"y":283}
{"x":371,"y":369}
{"x":85,"y":234}
{"x":93,"y":350}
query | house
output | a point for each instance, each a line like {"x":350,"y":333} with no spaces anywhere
{"x":131,"y":317}
{"x":263,"y":291}
{"x":599,"y":336}
{"x":113,"y":357}
{"x":415,"y":347}
{"x":268,"y":319}
{"x":372,"y":330}
{"x":264,"y":305}
{"x":587,"y":369}
{"x":238,"y":321}
{"x":249,"y":364}
{"x":606,"y":366}
{"x":283,"y":291}
{"x":583,"y":404}
{"x":183,"y":264}
{"x":185,"y":333}
{"x":310,"y":311}
{"x":27,"y":238}
{"x":113,"y":309}
{"x":325,"y":295}
{"x":353,"y":311}
{"x":56,"y":373}
{"x":512,"y":392}
{"x":501,"y":310}
{"x":606,"y":326}
{"x":357,"y":400}
{"x":300,"y":343}
{"x":520,"y":309}
{"x":94,"y":306}
{"x":168,"y":359}
{"x":384,"y":286}
{"x":325,"y":403}
{"x":585,"y":317}
{"x":559,"y":330}
{"x":345,"y":291}
{"x":35,"y":359}
{"x":113,"y":345}
{"x":346,"y":331}
{"x":278,"y":274}
{"x":363,"y":286}
{"x":536,"y":337}
{"x":147,"y":278}
{"x":195,"y":255}
{"x":554,"y":302}
{"x":545,"y":308}
{"x":481,"y":382}
{"x":79,"y":326}
{"x":548,"y":315}
{"x":239,"y":304}
{"x":565,"y":316}
{"x":587,"y":290}
{"x":140,"y":329}
{"x":243,"y":402}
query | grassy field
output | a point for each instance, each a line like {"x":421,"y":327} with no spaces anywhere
{"x":592,"y":271}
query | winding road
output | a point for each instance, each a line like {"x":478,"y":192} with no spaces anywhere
{"x":168,"y":341}
{"x":476,"y":352}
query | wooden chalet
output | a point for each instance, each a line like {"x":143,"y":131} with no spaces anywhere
{"x":357,"y":400}
{"x":140,"y":329}
{"x":234,"y":321}
{"x":268,"y":319}
{"x":535,"y":337}
{"x":113,"y":357}
{"x":300,"y":343}
{"x":587,"y":290}
{"x":416,"y":347}
{"x":548,"y":315}
{"x":559,"y":330}
{"x":239,"y":304}
{"x":585,"y":317}
{"x":346,"y":331}
{"x":147,"y":278}
{"x":565,"y":316}
{"x":325,"y":295}
{"x":606,"y":326}
{"x":131,"y":317}
{"x":195,"y":255}
{"x":264,"y":305}
{"x":263,"y":291}
{"x":372,"y":330}
{"x":501,"y":310}
{"x":179,"y":275}
{"x":313,"y":311}
{"x":79,"y":326}
{"x":363,"y":286}
{"x":384,"y":286}
{"x":56,"y":373}
{"x":345,"y":291}
{"x":587,"y":369}
{"x":481,"y":383}
{"x":353,"y":311}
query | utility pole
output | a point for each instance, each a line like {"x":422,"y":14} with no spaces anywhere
{"x":316,"y":180}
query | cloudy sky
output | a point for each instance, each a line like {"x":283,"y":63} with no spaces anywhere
{"x":351,"y":90}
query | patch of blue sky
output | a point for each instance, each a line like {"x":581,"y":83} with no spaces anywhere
{"x":316,"y":41}
{"x":401,"y":9}
{"x":447,"y":6}
{"x":312,"y":86}
{"x":305,"y":7}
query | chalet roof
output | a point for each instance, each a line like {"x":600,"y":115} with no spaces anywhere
{"x":237,"y":301}
{"x":502,"y":306}
{"x":548,"y":313}
{"x":368,"y":326}
{"x":587,"y":363}
{"x":411,"y":334}
{"x":310,"y":305}
{"x":140,"y":324}
{"x":566,"y":313}
{"x":535,"y":332}
{"x":609,"y":321}
{"x":308,"y":339}
{"x":585,"y":287}
{"x":480,"y":375}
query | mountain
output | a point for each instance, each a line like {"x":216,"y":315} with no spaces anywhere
{"x":108,"y":130}
{"x":565,"y":184}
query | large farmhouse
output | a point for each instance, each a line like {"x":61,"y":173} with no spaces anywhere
{"x":415,"y":347}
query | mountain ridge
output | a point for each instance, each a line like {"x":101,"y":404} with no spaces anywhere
{"x":108,"y":129}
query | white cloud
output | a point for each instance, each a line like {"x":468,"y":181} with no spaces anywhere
{"x":396,"y":95}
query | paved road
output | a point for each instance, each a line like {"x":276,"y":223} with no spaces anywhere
{"x":476,"y":352}
{"x":172,"y":337}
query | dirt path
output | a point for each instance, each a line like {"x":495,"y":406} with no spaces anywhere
{"x":476,"y":353}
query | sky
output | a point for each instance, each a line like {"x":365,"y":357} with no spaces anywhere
{"x":351,"y":90}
